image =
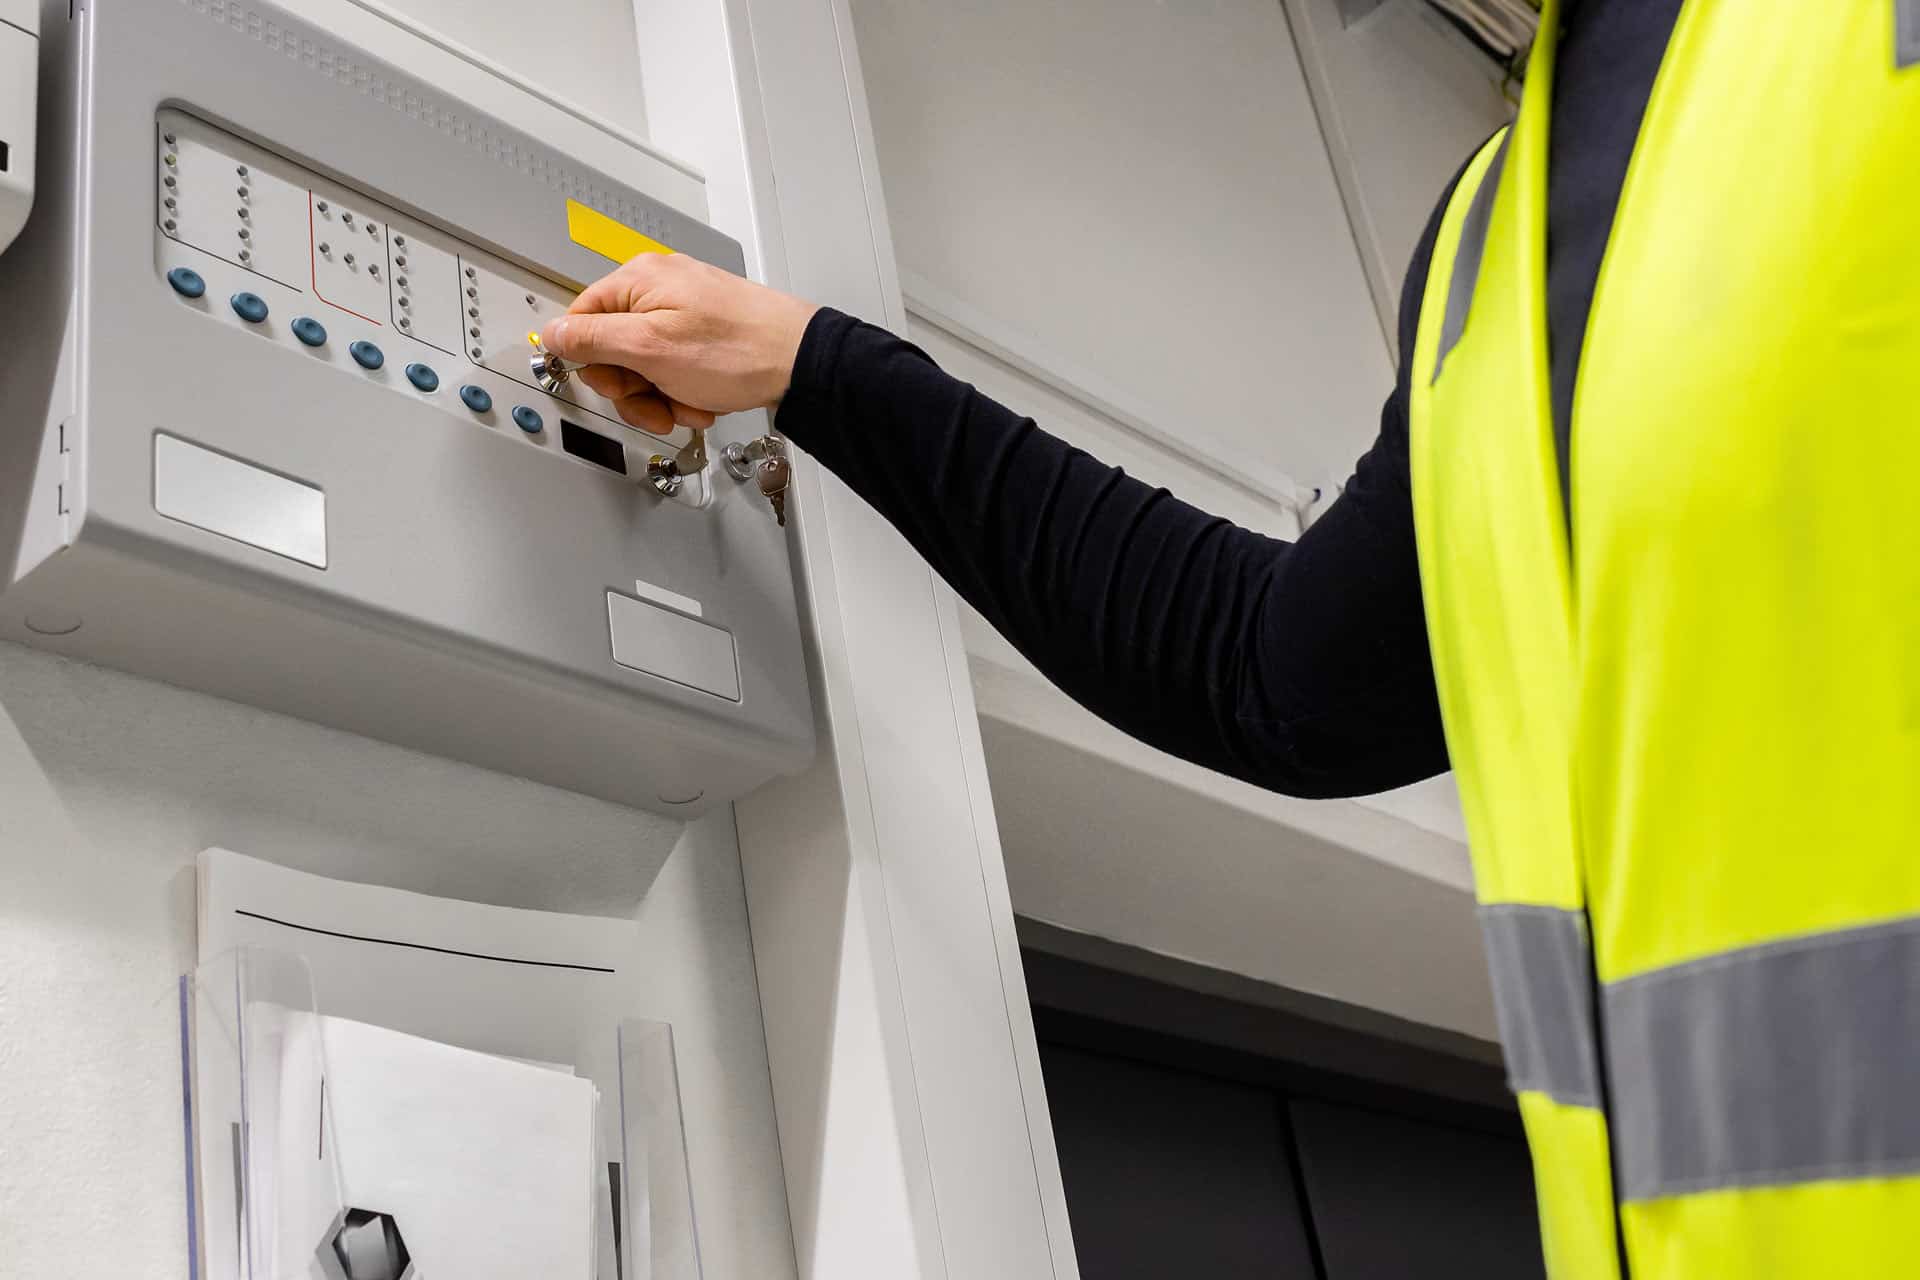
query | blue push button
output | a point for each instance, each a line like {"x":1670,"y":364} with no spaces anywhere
{"x":476,"y":398}
{"x":366,"y":355}
{"x":250,"y":307}
{"x":309,"y":331}
{"x":526,"y":419}
{"x":186,"y":282}
{"x":423,"y":378}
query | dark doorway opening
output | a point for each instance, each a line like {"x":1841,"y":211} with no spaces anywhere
{"x":1204,"y":1135}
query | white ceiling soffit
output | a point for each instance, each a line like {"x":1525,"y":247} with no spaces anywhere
{"x":1133,"y":858}
{"x":1111,"y":838}
{"x":1416,"y":829}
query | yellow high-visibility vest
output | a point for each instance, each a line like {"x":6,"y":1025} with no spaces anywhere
{"x":1683,"y":698}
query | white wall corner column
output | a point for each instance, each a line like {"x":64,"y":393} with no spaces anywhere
{"x":913,"y":1123}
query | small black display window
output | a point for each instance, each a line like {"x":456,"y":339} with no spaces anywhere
{"x":593,"y":446}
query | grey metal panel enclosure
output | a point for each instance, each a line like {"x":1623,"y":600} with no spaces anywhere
{"x":460,"y":605}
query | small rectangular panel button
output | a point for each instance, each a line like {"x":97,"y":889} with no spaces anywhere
{"x":238,"y":500}
{"x":672,"y":646}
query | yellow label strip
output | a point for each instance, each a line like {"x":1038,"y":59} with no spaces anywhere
{"x":609,"y":239}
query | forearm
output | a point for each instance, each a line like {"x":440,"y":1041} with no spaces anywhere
{"x":1169,"y":623}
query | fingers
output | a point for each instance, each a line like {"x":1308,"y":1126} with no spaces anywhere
{"x":656,"y":415}
{"x":613,"y":382}
{"x":618,"y":384}
{"x":689,"y":333}
{"x":622,"y":339}
{"x":649,"y":412}
{"x":603,"y":294}
{"x":611,"y":332}
{"x":610,"y":293}
{"x":624,"y":288}
{"x":687,"y":416}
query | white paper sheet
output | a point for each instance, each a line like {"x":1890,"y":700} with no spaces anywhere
{"x":487,"y":1165}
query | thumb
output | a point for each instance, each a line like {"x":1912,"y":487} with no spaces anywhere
{"x":617,"y":338}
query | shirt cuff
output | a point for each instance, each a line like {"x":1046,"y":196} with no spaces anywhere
{"x":816,"y":367}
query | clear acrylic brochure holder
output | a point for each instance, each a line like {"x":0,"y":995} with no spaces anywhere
{"x":250,"y":1033}
{"x":259,"y":1208}
{"x":658,"y":1240}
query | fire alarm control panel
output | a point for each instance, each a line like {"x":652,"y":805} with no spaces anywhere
{"x":274,"y":428}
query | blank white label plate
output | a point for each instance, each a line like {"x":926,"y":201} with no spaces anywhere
{"x":673,"y":646}
{"x":238,"y":500}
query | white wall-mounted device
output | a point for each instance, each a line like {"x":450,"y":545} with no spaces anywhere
{"x":270,"y":429}
{"x":19,"y":89}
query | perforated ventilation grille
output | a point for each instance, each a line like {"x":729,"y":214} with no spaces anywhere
{"x":410,"y":98}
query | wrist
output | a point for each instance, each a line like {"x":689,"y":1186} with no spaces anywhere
{"x":816,"y":363}
{"x":790,"y":334}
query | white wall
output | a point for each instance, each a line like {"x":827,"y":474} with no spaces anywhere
{"x":1137,"y":192}
{"x":580,"y":51}
{"x":1405,"y":100}
{"x":109,"y":785}
{"x":1248,"y":501}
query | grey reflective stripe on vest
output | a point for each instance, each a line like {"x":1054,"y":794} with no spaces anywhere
{"x":1466,"y":263}
{"x":1542,"y":970}
{"x":1797,"y":1061}
{"x":1906,"y":32}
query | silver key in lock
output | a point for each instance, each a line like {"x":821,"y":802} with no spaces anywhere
{"x":773,"y":476}
{"x":549,"y":371}
{"x":693,"y":456}
{"x":764,"y":461}
{"x":667,"y":474}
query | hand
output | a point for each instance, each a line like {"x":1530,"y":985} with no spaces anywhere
{"x":673,"y":341}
